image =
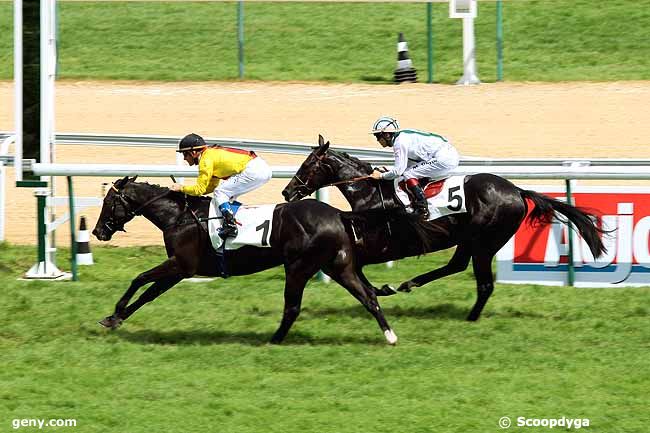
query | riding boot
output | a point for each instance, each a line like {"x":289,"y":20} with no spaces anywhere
{"x":228,"y":226}
{"x":420,"y":206}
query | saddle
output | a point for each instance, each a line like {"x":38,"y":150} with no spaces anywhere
{"x":430,"y":188}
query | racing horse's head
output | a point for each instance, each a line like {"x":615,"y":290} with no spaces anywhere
{"x":312,"y":174}
{"x":117,"y":210}
{"x":326,"y":167}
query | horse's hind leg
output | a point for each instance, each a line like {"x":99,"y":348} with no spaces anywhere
{"x":386,"y":290}
{"x":482,"y":264}
{"x":458,"y":263}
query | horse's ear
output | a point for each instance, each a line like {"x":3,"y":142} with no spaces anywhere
{"x":133,"y":178}
{"x":322,"y":146}
{"x":121,"y":182}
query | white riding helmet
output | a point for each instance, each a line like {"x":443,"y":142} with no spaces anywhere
{"x":385,"y":124}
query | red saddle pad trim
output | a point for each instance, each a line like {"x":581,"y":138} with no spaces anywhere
{"x":431,"y":189}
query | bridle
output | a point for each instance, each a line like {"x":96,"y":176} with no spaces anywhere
{"x":114,"y":226}
{"x":320,"y":161}
{"x":304,"y":184}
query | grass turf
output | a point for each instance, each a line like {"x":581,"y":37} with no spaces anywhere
{"x":196,"y":359}
{"x":551,"y":40}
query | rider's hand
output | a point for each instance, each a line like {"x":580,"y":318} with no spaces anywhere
{"x":176,"y":187}
{"x":376,"y":174}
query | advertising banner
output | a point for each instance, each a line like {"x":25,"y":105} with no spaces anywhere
{"x":539,"y":255}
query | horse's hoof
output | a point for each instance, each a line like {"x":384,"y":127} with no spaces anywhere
{"x":111,"y":322}
{"x":406,"y":286}
{"x":276,"y":339}
{"x":386,"y":290}
{"x":391,"y":338}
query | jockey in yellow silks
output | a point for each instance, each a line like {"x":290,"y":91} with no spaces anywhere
{"x":226,"y":172}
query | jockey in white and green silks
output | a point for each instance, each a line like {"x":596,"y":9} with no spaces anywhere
{"x":418,"y":154}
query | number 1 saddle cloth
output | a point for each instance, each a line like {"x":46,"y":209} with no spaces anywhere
{"x":254,"y":225}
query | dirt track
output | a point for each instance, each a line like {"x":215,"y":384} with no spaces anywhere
{"x":590,"y":120}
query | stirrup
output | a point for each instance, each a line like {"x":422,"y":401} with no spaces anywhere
{"x":228,"y":231}
{"x":422,"y":211}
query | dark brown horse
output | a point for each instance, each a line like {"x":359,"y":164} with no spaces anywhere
{"x":495,"y":210}
{"x":305,"y":236}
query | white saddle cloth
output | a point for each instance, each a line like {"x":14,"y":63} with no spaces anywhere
{"x":450,"y":199}
{"x":254,"y":225}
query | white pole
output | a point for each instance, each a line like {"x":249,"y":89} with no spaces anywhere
{"x":48,"y":76}
{"x":48,"y":71}
{"x":2,"y":201}
{"x":18,"y":88}
{"x":469,"y":53}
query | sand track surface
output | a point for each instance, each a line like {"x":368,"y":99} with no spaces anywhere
{"x":535,"y":120}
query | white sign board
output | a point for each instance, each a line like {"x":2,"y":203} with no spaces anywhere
{"x":462,"y":9}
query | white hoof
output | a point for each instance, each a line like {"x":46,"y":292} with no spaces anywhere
{"x":390,"y":337}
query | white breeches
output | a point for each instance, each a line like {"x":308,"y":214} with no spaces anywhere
{"x":439,"y":167}
{"x":256,"y":174}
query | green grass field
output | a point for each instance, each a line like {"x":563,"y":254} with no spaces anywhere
{"x":551,"y":40}
{"x":196,"y":360}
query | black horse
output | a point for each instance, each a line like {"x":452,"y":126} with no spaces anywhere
{"x":495,"y":210}
{"x":305,"y":236}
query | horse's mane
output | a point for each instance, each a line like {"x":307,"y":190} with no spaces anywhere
{"x":361,"y":164}
{"x":194,"y":202}
{"x":157,"y":189}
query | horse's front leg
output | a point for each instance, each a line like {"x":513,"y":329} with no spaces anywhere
{"x":167,"y":273}
{"x":297,"y":275}
{"x":155,"y":290}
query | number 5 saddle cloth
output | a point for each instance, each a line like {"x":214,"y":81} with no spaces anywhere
{"x":444,"y":197}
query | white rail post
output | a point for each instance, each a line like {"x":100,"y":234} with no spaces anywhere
{"x":180,"y":161}
{"x":323,"y":195}
{"x":4,"y":150}
{"x":2,"y":201}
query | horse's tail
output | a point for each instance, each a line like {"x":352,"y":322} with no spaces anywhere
{"x":582,"y":219}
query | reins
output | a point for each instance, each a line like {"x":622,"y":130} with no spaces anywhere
{"x":138,"y":210}
{"x":354,"y":179}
